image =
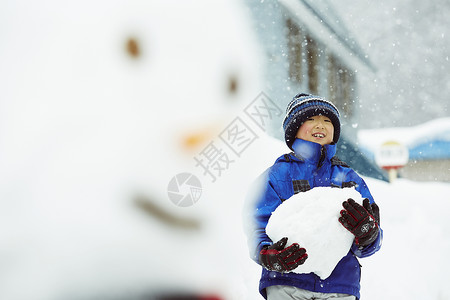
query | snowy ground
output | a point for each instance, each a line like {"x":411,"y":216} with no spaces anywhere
{"x":413,"y":262}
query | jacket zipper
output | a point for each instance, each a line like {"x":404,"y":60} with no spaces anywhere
{"x":323,"y":154}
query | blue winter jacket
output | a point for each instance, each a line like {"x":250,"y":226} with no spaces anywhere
{"x":311,"y":165}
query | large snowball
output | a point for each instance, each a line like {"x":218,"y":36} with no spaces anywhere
{"x":311,"y":220}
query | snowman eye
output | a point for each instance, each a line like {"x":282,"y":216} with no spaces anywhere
{"x":133,"y":47}
{"x":233,"y":84}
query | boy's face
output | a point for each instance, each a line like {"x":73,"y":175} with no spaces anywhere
{"x":317,"y":129}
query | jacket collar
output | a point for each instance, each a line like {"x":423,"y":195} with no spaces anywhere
{"x":311,"y":152}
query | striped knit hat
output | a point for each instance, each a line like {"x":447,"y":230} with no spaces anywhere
{"x":304,"y":106}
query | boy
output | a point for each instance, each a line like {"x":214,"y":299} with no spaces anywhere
{"x":312,"y":129}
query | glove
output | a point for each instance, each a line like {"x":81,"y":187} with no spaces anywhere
{"x":363,"y":221}
{"x":280,"y":259}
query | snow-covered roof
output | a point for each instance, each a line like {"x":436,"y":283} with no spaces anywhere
{"x":430,"y":140}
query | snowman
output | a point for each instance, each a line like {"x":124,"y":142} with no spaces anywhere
{"x":103,"y":105}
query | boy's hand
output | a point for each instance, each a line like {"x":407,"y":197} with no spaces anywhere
{"x":363,"y":221}
{"x":280,"y":259}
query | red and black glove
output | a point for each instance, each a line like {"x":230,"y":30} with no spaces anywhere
{"x":361,"y":220}
{"x":280,"y":259}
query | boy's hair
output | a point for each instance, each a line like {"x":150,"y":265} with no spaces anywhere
{"x":304,"y":106}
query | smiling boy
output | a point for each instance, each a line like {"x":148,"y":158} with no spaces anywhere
{"x":312,"y":129}
{"x":316,"y":129}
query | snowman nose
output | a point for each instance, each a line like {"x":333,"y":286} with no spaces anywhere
{"x":198,"y":138}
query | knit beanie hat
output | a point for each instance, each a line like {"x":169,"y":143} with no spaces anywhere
{"x":304,"y":106}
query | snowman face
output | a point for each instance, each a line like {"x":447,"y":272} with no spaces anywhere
{"x":104,"y":103}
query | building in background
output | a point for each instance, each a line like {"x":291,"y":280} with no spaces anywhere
{"x":428,"y":145}
{"x":309,"y":49}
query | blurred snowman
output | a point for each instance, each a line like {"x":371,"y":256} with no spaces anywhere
{"x":102,"y":104}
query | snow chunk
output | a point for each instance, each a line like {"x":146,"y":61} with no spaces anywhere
{"x":311,"y":220}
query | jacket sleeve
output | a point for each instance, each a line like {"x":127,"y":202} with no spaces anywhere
{"x":362,"y":188}
{"x":262,"y":200}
